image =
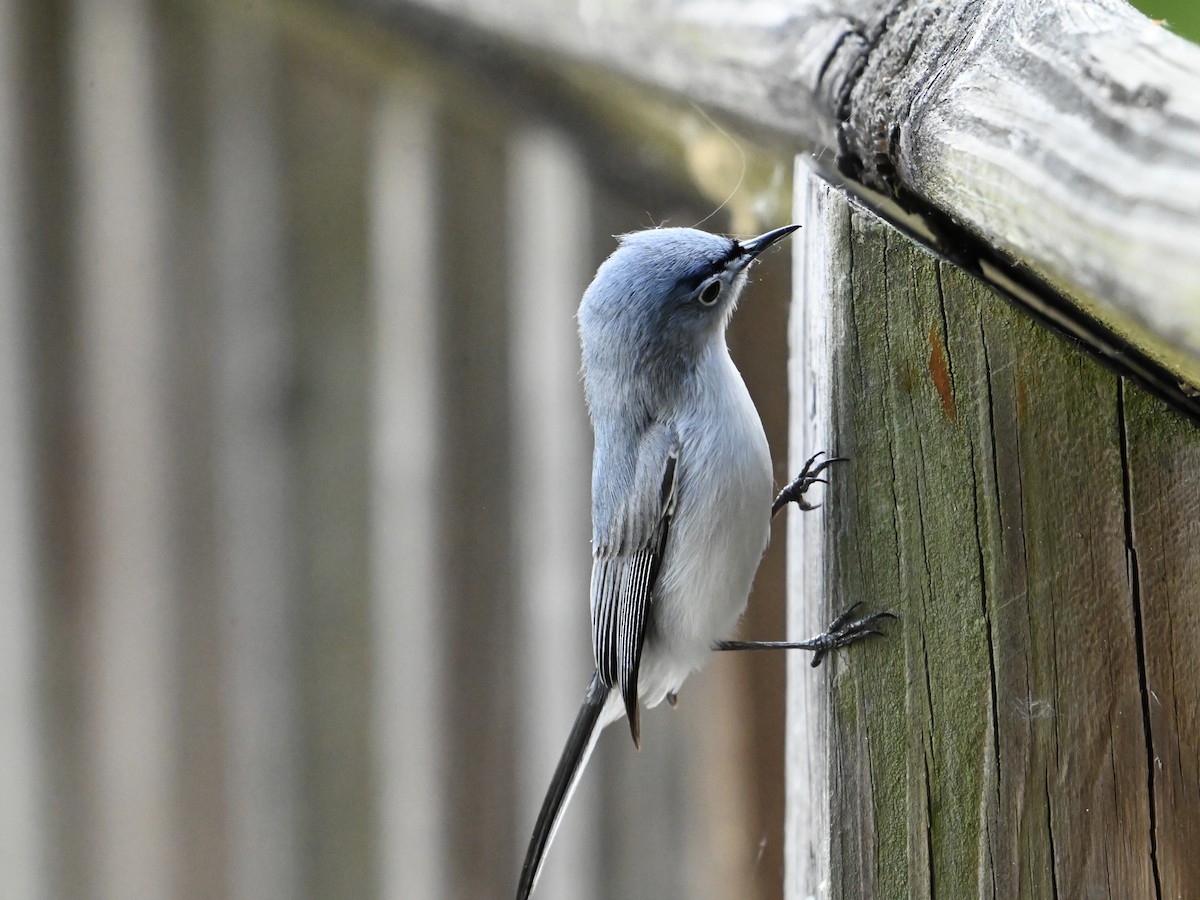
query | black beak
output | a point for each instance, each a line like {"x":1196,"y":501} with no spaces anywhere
{"x":747,"y":251}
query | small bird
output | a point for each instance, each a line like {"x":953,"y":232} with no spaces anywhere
{"x":681,"y":486}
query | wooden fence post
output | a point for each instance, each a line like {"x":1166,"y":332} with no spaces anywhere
{"x":254,"y":468}
{"x":1029,"y":726}
{"x":407,"y":596}
{"x":24,"y":823}
{"x":127,"y":612}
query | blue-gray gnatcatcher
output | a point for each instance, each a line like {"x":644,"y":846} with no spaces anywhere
{"x":681,"y":485}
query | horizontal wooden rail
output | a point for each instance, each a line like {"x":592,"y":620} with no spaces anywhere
{"x":1066,"y":135}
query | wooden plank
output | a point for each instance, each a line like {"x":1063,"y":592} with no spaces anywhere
{"x":190,"y":283}
{"x":58,"y":437}
{"x":1001,"y":741}
{"x":478,"y":565}
{"x":1162,"y":462}
{"x":253,"y":467}
{"x":1062,"y":133}
{"x":127,"y":608}
{"x":326,"y":120}
{"x":549,"y":209}
{"x":409,"y":643}
{"x":24,"y":834}
{"x":820,"y":257}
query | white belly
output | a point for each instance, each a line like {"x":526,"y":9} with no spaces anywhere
{"x":718,"y":534}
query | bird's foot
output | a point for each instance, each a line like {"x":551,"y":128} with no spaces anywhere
{"x":845,"y":630}
{"x":809,"y":475}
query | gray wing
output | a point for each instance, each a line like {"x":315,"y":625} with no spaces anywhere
{"x":631,"y":518}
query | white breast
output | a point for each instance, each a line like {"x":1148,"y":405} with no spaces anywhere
{"x":719,"y":531}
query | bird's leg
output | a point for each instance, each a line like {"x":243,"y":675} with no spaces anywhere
{"x":809,"y":475}
{"x":843,"y":630}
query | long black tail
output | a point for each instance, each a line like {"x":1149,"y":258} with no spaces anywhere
{"x":570,"y":766}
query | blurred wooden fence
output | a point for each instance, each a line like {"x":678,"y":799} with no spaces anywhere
{"x":294,"y":463}
{"x":294,"y":474}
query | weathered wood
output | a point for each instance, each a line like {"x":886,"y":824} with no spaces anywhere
{"x":819,"y":258}
{"x":1030,"y":724}
{"x":1162,"y":462}
{"x":1062,"y":133}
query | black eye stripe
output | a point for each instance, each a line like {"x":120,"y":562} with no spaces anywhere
{"x":693,"y":281}
{"x":690,"y":283}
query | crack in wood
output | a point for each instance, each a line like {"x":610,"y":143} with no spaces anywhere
{"x":991,"y":422}
{"x":993,"y":684}
{"x":1139,"y":637}
{"x":929,"y":808}
{"x":948,"y":396}
{"x":1050,"y":837}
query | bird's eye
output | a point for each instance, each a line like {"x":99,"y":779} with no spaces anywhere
{"x":711,"y":292}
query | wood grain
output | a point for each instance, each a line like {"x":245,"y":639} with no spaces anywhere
{"x":1029,"y":727}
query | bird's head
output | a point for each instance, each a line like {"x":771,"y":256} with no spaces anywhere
{"x":661,"y":299}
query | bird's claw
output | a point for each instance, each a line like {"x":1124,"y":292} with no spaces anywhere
{"x":846,"y":629}
{"x":809,"y":475}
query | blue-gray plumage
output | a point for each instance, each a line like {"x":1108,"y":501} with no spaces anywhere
{"x":681,"y":472}
{"x":681,"y":483}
